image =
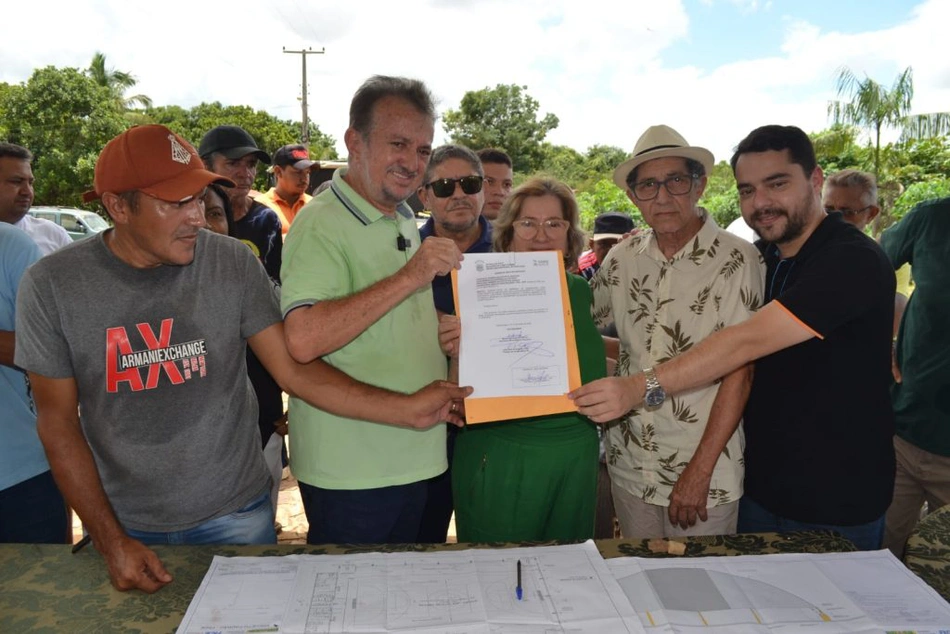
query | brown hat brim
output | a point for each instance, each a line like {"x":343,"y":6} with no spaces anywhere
{"x":186,"y":184}
{"x":178,"y":188}
{"x":702,"y":155}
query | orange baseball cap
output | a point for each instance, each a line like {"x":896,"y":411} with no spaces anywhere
{"x":154,"y":160}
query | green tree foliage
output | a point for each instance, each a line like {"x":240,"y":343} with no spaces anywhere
{"x":64,"y":118}
{"x":118,"y":82}
{"x":720,"y":198}
{"x":870,"y":105}
{"x":504,"y":117}
{"x":581,"y":171}
{"x":918,"y":193}
{"x":925,"y":126}
{"x":563,"y":163}
{"x":6,"y":93}
{"x":269,"y":131}
{"x":605,"y":196}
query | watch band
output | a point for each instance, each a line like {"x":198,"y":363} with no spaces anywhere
{"x":652,"y":382}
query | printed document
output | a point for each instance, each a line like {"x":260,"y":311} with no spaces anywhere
{"x":513,"y":324}
{"x":820,"y":593}
{"x":565,"y":589}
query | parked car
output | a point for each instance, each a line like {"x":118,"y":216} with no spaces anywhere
{"x":78,"y":223}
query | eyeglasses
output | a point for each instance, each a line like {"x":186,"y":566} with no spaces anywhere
{"x":676,"y":185}
{"x":527,"y":229}
{"x":848,"y":212}
{"x":445,"y":187}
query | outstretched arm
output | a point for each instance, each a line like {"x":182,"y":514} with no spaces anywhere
{"x":329,"y":389}
{"x":769,"y":330}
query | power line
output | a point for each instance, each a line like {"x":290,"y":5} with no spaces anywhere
{"x":304,"y":123}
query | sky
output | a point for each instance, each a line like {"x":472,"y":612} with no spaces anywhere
{"x":712,"y":69}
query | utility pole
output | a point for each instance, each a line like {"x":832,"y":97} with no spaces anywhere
{"x":304,"y":122}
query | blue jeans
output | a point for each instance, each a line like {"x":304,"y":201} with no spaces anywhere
{"x":33,"y":512}
{"x":387,"y":515}
{"x":754,"y":518}
{"x":251,"y":524}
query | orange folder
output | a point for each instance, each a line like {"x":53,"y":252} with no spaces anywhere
{"x":491,"y":409}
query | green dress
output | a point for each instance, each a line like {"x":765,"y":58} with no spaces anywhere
{"x":533,"y":479}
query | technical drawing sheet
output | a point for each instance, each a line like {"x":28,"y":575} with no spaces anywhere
{"x":565,"y":589}
{"x":821,"y":593}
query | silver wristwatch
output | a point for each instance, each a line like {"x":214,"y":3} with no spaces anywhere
{"x":655,"y":394}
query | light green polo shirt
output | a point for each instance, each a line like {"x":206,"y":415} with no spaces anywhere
{"x":339,"y":244}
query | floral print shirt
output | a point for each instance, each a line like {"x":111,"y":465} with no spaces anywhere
{"x":662,"y":307}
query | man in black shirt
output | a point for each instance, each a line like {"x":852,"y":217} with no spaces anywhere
{"x":818,"y":423}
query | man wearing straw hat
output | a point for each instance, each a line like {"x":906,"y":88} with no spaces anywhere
{"x":676,"y":468}
{"x":818,"y":424}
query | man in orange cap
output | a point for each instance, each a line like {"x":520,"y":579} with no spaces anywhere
{"x":143,"y":327}
{"x":291,"y":168}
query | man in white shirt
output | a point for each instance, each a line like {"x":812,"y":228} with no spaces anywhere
{"x":16,"y":197}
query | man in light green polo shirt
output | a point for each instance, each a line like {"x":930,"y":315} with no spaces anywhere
{"x":357,"y":292}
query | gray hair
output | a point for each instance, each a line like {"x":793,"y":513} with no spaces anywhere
{"x":379,"y":87}
{"x":444,"y":153}
{"x":863,"y":181}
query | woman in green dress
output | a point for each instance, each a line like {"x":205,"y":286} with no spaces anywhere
{"x":533,"y":479}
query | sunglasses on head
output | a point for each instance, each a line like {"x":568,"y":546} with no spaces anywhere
{"x":445,"y":187}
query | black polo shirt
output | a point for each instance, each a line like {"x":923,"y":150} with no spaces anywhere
{"x":819,"y":423}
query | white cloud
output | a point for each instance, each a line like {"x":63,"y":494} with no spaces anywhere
{"x":597,"y":64}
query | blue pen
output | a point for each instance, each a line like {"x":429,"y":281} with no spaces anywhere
{"x":518,"y":587}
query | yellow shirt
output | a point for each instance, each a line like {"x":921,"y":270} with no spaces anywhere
{"x":285,"y":211}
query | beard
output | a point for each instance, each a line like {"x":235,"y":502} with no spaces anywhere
{"x":796,"y":219}
{"x":793,"y":228}
{"x":459,"y":224}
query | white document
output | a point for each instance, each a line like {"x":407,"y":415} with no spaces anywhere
{"x":891,"y":594}
{"x":513,"y":330}
{"x":565,"y":589}
{"x":823,"y":593}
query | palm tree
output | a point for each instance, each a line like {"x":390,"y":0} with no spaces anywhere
{"x":925,"y":126}
{"x":871,"y":105}
{"x":117,"y":81}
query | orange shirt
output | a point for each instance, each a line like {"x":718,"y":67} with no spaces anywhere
{"x":285,"y":211}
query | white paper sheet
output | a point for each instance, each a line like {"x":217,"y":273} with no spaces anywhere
{"x":566,"y":589}
{"x":823,"y":593}
{"x":513,"y":331}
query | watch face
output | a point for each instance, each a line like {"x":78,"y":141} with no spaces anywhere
{"x":655,"y":397}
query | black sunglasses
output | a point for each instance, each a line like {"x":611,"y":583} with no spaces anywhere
{"x":445,"y":187}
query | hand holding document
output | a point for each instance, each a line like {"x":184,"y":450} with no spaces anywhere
{"x":517,"y":346}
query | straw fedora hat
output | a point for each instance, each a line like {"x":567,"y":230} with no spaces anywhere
{"x":657,"y":142}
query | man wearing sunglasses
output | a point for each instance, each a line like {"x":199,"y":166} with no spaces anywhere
{"x":357,"y":292}
{"x":453,"y":193}
{"x":676,"y":468}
